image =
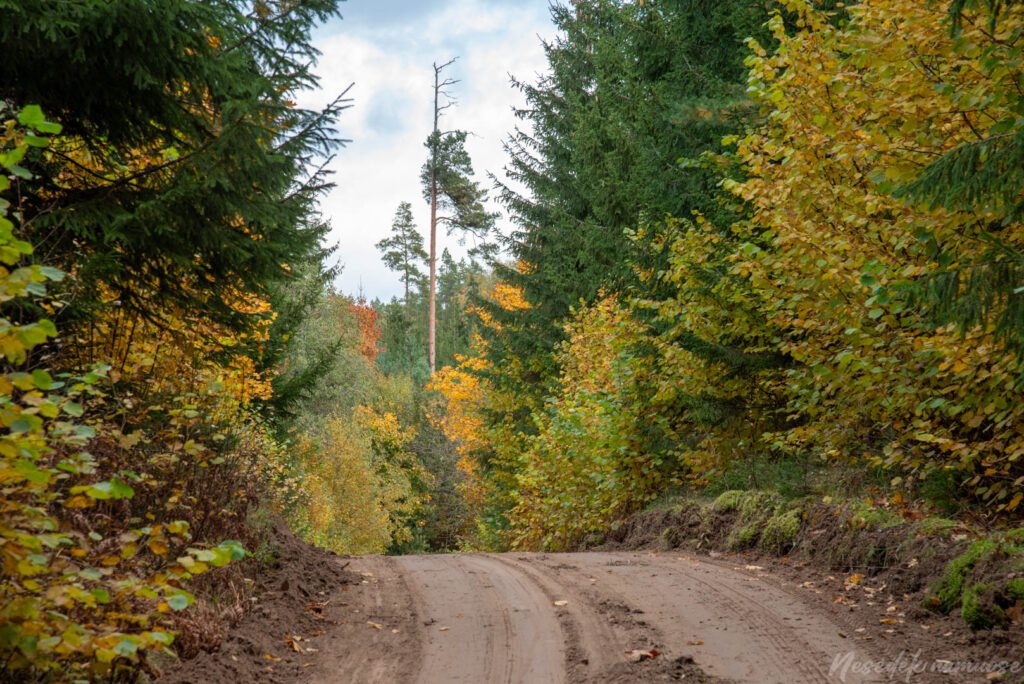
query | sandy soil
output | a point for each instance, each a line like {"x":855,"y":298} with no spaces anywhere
{"x":525,"y":618}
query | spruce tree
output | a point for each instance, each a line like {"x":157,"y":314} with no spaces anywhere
{"x":187,"y":174}
{"x":631,"y":90}
{"x":403,"y":250}
{"x":984,"y":177}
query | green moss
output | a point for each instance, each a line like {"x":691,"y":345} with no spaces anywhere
{"x":1015,"y":589}
{"x":728,"y":501}
{"x":978,"y":610}
{"x":868,"y":517}
{"x":949,"y":590}
{"x":757,"y":505}
{"x":781,"y":530}
{"x":744,"y":536}
{"x":937,"y":526}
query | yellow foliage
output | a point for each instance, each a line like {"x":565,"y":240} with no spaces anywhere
{"x":853,"y":109}
{"x":587,"y":465}
{"x":467,"y":418}
{"x":74,"y":602}
{"x":364,"y":488}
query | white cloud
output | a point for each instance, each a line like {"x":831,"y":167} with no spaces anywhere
{"x":391,"y":67}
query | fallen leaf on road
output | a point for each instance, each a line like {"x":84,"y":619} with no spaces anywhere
{"x":694,"y":643}
{"x":375,"y":625}
{"x":1016,"y":613}
{"x":561,"y":603}
{"x":639,"y":655}
{"x":271,"y":658}
{"x":317,"y":608}
{"x":442,"y":629}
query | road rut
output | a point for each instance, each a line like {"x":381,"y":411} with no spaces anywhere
{"x":547,"y":619}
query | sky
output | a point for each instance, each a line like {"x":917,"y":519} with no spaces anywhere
{"x":387,"y":48}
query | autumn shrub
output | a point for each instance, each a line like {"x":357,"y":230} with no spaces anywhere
{"x":590,"y":461}
{"x":479,"y":418}
{"x":80,"y":596}
{"x":807,"y":332}
{"x":853,"y":110}
{"x":364,"y":489}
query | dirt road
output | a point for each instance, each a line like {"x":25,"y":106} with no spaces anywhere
{"x":537,"y":619}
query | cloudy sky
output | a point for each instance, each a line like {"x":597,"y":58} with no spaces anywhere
{"x":387,"y":47}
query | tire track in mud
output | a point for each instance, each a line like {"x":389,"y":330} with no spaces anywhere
{"x":483,"y":618}
{"x":484,"y":622}
{"x":732,"y":624}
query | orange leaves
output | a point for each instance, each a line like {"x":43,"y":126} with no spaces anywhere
{"x":369,"y":329}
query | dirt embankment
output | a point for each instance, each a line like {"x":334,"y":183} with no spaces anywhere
{"x":270,"y":640}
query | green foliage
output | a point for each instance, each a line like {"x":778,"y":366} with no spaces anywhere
{"x":631,"y":88}
{"x":365,"y":489}
{"x":460,"y":200}
{"x":184,"y":173}
{"x":74,"y":602}
{"x":403,"y":251}
{"x":587,"y":464}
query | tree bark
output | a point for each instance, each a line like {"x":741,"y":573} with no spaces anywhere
{"x":440,"y":86}
{"x":432,"y":315}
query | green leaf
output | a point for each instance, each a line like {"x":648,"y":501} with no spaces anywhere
{"x":127,"y":648}
{"x":31,"y":115}
{"x":180,"y":601}
{"x":49,"y":127}
{"x":159,"y":637}
{"x":42,"y":379}
{"x":47,"y":327}
{"x":51,"y":273}
{"x":31,"y":472}
{"x":21,"y":425}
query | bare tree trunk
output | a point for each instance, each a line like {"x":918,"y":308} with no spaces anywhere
{"x":432,"y":316}
{"x":439,"y":89}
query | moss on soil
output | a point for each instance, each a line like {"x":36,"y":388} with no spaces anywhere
{"x":980,"y":581}
{"x":781,"y":530}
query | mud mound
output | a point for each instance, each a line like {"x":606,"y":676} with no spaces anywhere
{"x":678,"y":669}
{"x":267,"y":643}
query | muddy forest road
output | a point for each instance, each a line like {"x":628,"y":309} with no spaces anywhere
{"x":547,"y":619}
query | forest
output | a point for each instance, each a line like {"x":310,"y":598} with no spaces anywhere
{"x":757,"y":246}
